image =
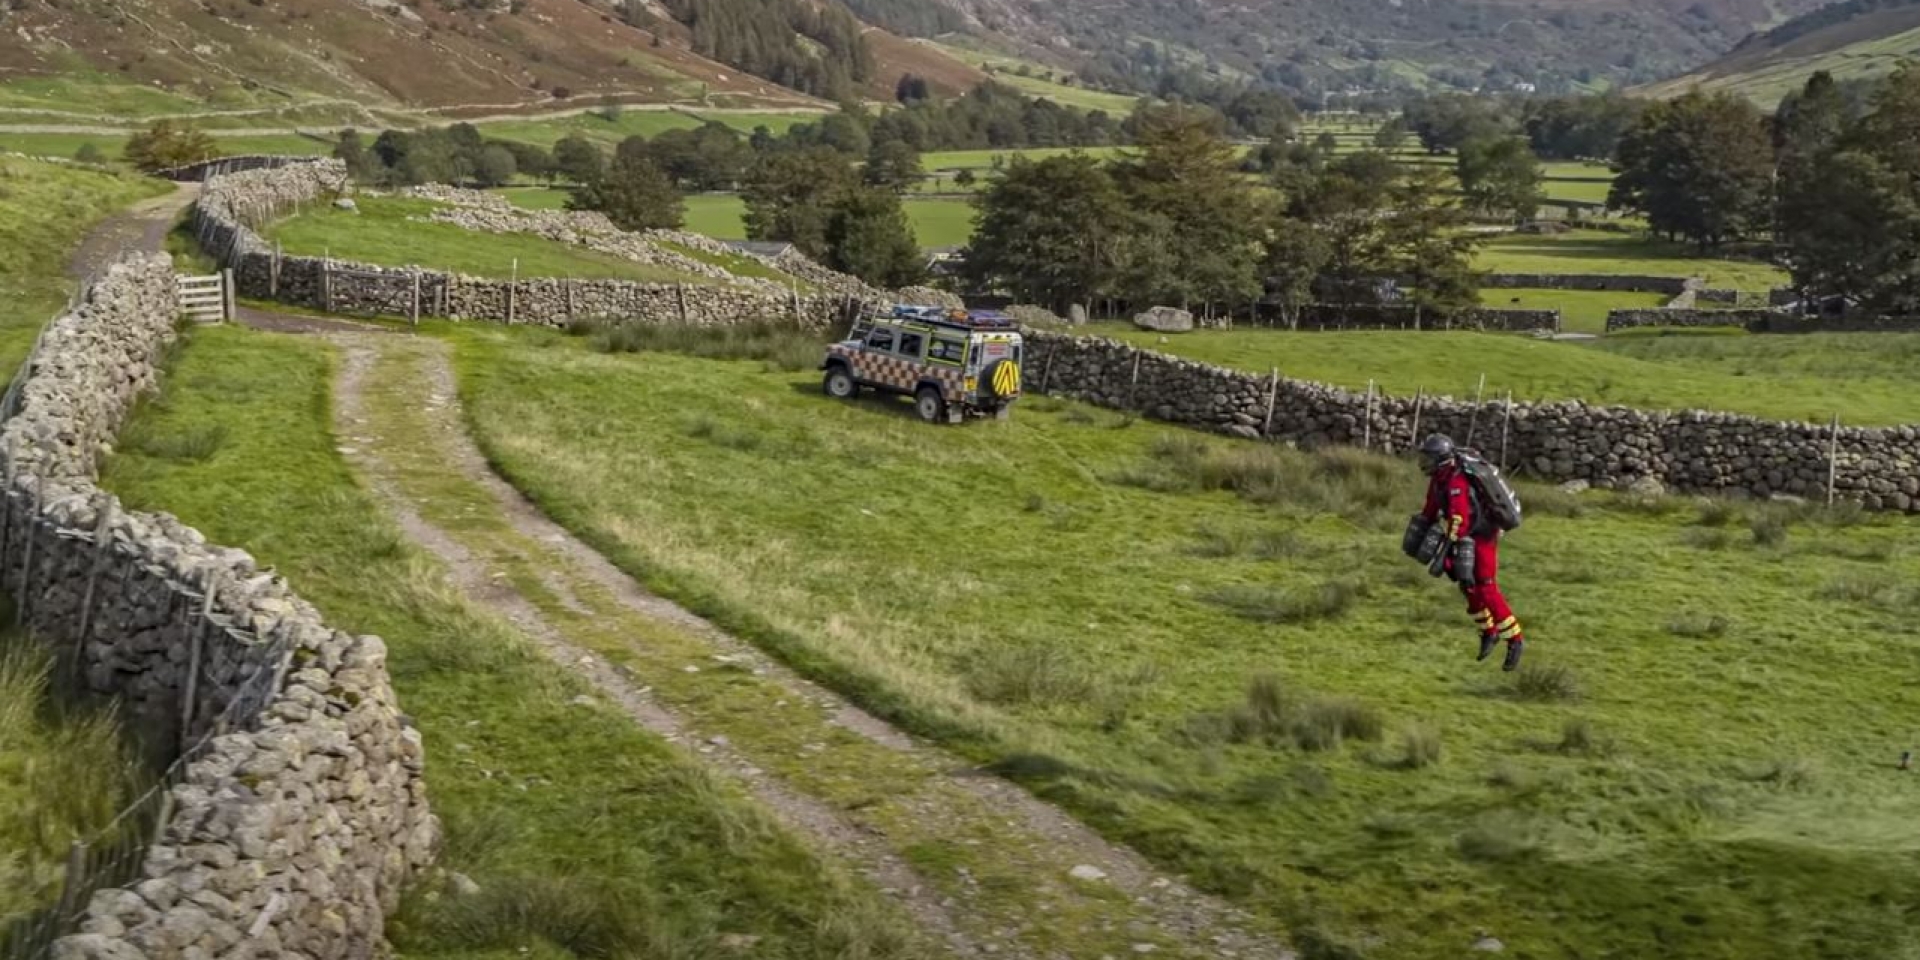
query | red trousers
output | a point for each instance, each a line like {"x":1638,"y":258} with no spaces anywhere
{"x":1485,"y":603}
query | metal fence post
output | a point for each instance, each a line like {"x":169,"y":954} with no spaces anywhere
{"x":1833,"y":461}
{"x":1273,"y":398}
{"x":70,"y":890}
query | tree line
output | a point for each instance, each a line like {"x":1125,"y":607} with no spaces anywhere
{"x":816,"y":48}
{"x":1178,"y":222}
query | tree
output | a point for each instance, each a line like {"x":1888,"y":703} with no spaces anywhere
{"x":893,"y":165}
{"x":1849,"y":210}
{"x":495,"y":166}
{"x":577,"y":159}
{"x":1189,"y":178}
{"x":1425,"y":245}
{"x":791,"y":196}
{"x":635,"y":194}
{"x":89,"y":152}
{"x":167,"y":144}
{"x":869,"y":237}
{"x":912,"y":89}
{"x":1445,"y":122}
{"x":1049,"y":231}
{"x":966,"y":178}
{"x":1699,"y":166}
{"x":1500,"y":176}
{"x":350,"y":150}
{"x":1391,"y":135}
{"x":529,"y":159}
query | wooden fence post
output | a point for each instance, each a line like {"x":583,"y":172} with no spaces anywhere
{"x":1506,"y":425}
{"x":1473,"y":424}
{"x":1419,"y":404}
{"x":226,"y":295}
{"x":1133,"y":385}
{"x":326,"y":285}
{"x":32,"y":527}
{"x":1273,"y":397}
{"x":1833,"y":461}
{"x":513,"y":289}
{"x":273,"y":273}
{"x":1046,"y":370}
{"x":1366,"y":435}
{"x":415,"y":316}
{"x":680,"y":295}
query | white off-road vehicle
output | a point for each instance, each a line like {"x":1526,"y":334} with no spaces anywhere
{"x":953,"y":363}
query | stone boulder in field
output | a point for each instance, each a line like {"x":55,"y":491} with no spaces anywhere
{"x":1165,"y":320}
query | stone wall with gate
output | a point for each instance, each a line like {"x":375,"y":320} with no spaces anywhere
{"x":233,"y":207}
{"x":294,"y":809}
{"x":1689,"y":451}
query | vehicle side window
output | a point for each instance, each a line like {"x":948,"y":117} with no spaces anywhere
{"x":947,"y":351}
{"x":911,"y":345}
{"x":880,"y":339}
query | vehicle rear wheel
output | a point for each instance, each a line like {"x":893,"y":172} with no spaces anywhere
{"x":930,"y":405}
{"x":840,"y":385}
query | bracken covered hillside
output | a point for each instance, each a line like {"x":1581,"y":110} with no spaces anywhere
{"x":462,"y":56}
{"x":1318,"y":45}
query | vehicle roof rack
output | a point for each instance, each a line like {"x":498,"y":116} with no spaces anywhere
{"x":949,"y":317}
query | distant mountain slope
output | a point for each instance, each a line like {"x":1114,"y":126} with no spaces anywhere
{"x":1338,"y":45}
{"x":1852,"y":40}
{"x":454,"y":56}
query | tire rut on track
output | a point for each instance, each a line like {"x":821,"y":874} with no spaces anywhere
{"x":1127,"y":905}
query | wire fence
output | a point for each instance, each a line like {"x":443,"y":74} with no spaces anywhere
{"x":231,"y":675}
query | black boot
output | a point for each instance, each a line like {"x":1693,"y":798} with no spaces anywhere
{"x":1515,"y":648}
{"x":1487,"y":641}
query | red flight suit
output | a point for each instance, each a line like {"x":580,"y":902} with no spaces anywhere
{"x":1450,"y":502}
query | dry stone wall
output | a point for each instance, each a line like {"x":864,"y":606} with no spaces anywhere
{"x":1759,"y":321}
{"x":1400,"y":317}
{"x":301,"y":810}
{"x":1687,"y":451}
{"x":1671,"y":286}
{"x":233,"y":207}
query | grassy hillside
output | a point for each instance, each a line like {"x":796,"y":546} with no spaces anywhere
{"x":1853,"y":40}
{"x":45,"y":210}
{"x":1036,"y":80}
{"x":148,"y":57}
{"x":1254,"y":686}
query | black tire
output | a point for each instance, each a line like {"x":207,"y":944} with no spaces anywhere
{"x":839,"y":384}
{"x":930,"y":405}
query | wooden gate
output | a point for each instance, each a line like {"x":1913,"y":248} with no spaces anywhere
{"x":207,"y":299}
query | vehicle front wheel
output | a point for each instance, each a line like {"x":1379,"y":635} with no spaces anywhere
{"x":839,"y":384}
{"x":930,"y":405}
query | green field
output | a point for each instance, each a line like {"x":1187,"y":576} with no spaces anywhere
{"x":1581,"y":311}
{"x":99,"y":94}
{"x":1868,"y":379}
{"x":609,"y":129}
{"x":936,"y":222}
{"x":539,"y":198}
{"x":984,"y":159}
{"x":1585,"y":191}
{"x":1597,"y":252}
{"x":45,"y":210}
{"x":66,"y":145}
{"x":586,"y":836}
{"x":1002,"y":69}
{"x":382,"y":233}
{"x":940,"y":223}
{"x":1254,"y":687}
{"x":718,"y":215}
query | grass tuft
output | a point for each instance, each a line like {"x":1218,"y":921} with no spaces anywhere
{"x":782,"y":346}
{"x":1327,"y":601}
{"x":1420,"y":747}
{"x":1546,"y":682}
{"x":1699,"y":626}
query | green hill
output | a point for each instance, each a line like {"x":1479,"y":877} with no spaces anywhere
{"x":1854,"y":40}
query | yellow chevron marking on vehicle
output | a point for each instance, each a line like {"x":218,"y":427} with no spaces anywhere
{"x":1006,"y":380}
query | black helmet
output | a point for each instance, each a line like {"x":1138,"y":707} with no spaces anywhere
{"x":1434,"y":451}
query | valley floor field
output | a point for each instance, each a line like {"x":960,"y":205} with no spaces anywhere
{"x":1064,"y":597}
